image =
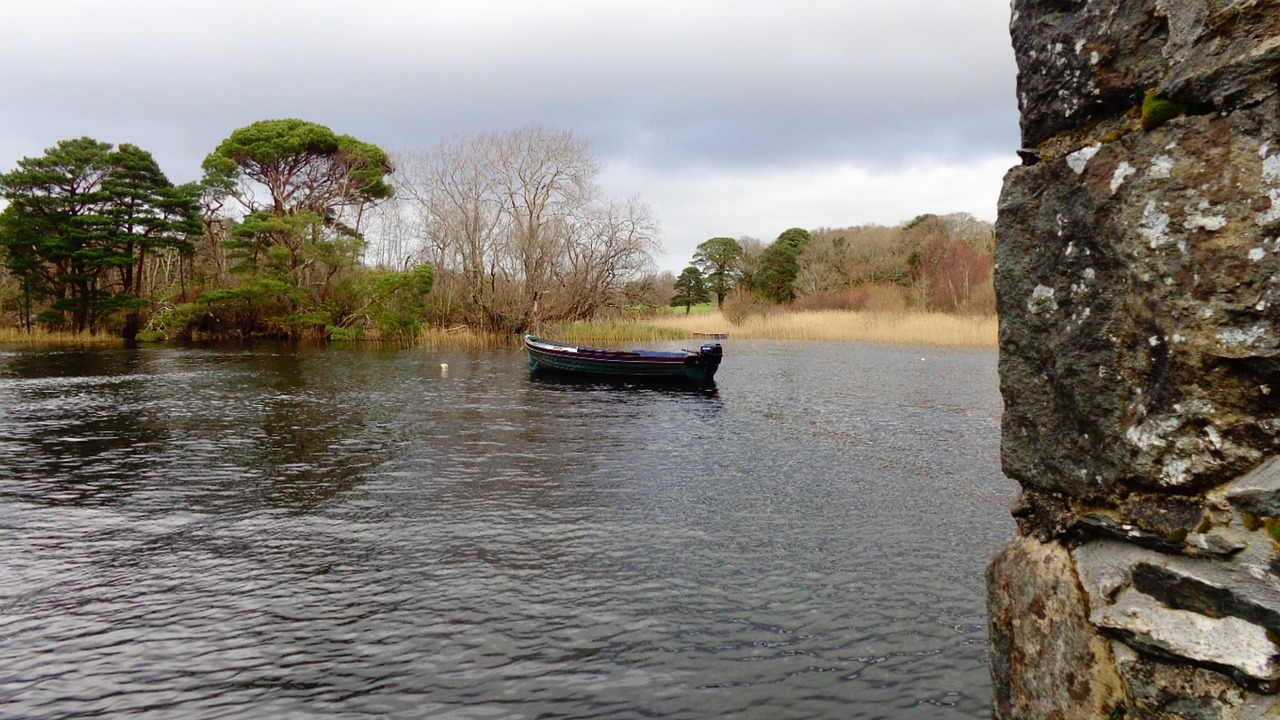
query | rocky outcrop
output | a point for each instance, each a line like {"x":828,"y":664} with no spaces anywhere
{"x":1138,"y":281}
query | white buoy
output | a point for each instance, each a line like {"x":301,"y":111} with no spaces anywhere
{"x":444,"y":369}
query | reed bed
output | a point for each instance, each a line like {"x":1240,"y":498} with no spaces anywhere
{"x":889,"y":328}
{"x":17,"y":336}
{"x":609,"y":333}
{"x":461,"y":338}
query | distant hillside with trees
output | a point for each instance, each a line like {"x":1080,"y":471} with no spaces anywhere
{"x":939,"y":263}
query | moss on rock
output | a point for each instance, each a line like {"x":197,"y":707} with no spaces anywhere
{"x":1157,"y":110}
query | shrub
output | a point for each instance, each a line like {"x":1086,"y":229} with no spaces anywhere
{"x":741,"y":304}
{"x":886,"y":299}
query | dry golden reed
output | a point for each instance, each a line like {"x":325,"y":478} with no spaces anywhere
{"x":460,"y":338}
{"x":17,"y":336}
{"x":889,"y":328}
{"x":608,"y":333}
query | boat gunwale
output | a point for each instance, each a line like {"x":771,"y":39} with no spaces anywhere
{"x":553,"y":349}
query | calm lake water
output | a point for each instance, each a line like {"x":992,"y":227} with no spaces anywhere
{"x":273,"y":532}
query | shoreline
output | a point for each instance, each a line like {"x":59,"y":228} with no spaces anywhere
{"x":921,"y":329}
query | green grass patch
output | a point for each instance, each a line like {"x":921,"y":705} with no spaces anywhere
{"x":694,"y":309}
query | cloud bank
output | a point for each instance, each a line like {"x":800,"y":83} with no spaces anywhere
{"x":728,"y":118}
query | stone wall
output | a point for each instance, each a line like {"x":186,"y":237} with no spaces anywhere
{"x":1138,"y":283}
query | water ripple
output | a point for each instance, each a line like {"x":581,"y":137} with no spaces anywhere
{"x":201,"y":533}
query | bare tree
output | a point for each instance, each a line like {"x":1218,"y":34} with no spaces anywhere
{"x":941,"y":260}
{"x":542,"y":178}
{"x":825,"y":263}
{"x":614,"y":243}
{"x":392,"y":235}
{"x":649,"y":292}
{"x":515,"y":221}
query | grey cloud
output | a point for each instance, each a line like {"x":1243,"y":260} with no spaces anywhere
{"x":747,"y":82}
{"x":668,"y":89}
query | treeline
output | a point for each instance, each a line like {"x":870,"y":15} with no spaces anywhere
{"x":934,"y":262}
{"x":296,"y":231}
{"x":95,"y":239}
{"x":500,"y":232}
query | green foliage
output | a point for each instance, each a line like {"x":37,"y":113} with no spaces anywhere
{"x":1156,"y":111}
{"x":19,"y":242}
{"x":794,"y":238}
{"x":380,"y":303}
{"x":297,"y":247}
{"x":303,"y":165}
{"x":401,"y":300}
{"x":81,"y":221}
{"x":259,"y":302}
{"x":779,"y":265}
{"x":1117,"y":713}
{"x":252,"y":239}
{"x":939,"y":262}
{"x":172,"y":323}
{"x":309,"y":322}
{"x":344,"y":334}
{"x":718,"y":259}
{"x":94,"y":237}
{"x":690,"y":289}
{"x":920,"y":221}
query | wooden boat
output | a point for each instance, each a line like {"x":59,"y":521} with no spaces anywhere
{"x":685,"y":366}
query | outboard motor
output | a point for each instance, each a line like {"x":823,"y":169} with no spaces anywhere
{"x":711,"y":355}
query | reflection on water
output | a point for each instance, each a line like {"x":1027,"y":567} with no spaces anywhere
{"x":301,"y":532}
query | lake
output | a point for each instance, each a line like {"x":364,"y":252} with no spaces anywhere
{"x":307,"y":532}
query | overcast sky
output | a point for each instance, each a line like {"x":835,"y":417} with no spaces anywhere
{"x":739,"y":118}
